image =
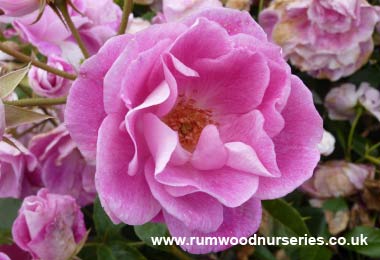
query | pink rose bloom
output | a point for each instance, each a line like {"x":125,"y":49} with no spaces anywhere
{"x":63,"y":169}
{"x":18,"y":171}
{"x":99,"y":20}
{"x":49,"y":226}
{"x":174,"y":10}
{"x":16,"y":8}
{"x":337,"y":179}
{"x":327,"y":38}
{"x":194,"y":130}
{"x":47,"y":84}
{"x":4,"y":256}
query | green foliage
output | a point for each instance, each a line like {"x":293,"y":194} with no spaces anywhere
{"x":373,"y":247}
{"x":8,"y":213}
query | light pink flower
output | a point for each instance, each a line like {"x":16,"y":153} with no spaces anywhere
{"x":326,"y":38}
{"x":342,"y":101}
{"x":174,"y":10}
{"x":48,"y":84}
{"x":192,"y":129}
{"x":49,"y":226}
{"x":16,"y":8}
{"x":18,"y":175}
{"x":63,"y":169}
{"x":99,"y":20}
{"x":337,"y":179}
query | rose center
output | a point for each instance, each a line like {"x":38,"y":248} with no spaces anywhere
{"x":188,"y":120}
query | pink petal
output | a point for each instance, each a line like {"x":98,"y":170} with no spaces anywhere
{"x":122,"y":195}
{"x":238,"y":222}
{"x":304,"y":131}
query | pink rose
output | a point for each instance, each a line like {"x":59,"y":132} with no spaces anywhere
{"x":18,"y":8}
{"x":369,"y":98}
{"x":98,"y":21}
{"x":18,"y":175}
{"x":326,"y":38}
{"x":337,"y":179}
{"x":191,"y":129}
{"x":49,"y":226}
{"x":62,"y":167}
{"x":48,"y":84}
{"x":136,"y":24}
{"x":14,"y":253}
{"x":174,"y":10}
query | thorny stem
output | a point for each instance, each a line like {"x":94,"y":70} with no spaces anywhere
{"x":73,"y":29}
{"x":24,"y":58}
{"x":29,"y":102}
{"x":127,"y":9}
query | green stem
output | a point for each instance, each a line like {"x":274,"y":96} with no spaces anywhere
{"x":24,"y":58}
{"x":29,"y":102}
{"x":127,"y":9}
{"x":65,"y":13}
{"x":261,"y":6}
{"x":359,"y":113}
{"x":372,"y":159}
{"x":179,"y":254}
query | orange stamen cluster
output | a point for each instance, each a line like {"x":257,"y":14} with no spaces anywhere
{"x":188,"y":121}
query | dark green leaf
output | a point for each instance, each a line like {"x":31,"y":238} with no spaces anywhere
{"x":122,"y":251}
{"x":263,"y":253}
{"x":105,"y":228}
{"x":104,"y":253}
{"x":373,"y":240}
{"x":149,"y":230}
{"x":285,"y":214}
{"x":315,"y":253}
{"x":335,"y":205}
{"x":8,"y":213}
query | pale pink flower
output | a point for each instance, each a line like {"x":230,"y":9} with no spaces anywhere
{"x":341,"y":101}
{"x":49,"y":226}
{"x":338,"y":179}
{"x":48,"y":84}
{"x":18,"y":171}
{"x":62,"y":167}
{"x":327,"y":146}
{"x":17,"y":8}
{"x":136,"y":24}
{"x":193,"y":123}
{"x":327,"y":38}
{"x":369,"y":98}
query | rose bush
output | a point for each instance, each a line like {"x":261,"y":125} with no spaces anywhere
{"x":202,"y":133}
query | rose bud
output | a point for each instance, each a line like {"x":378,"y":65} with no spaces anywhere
{"x":369,"y":98}
{"x":49,"y":226}
{"x":341,"y":101}
{"x":337,"y":179}
{"x":50,"y":85}
{"x":327,"y":146}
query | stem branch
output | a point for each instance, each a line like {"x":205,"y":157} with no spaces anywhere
{"x":24,"y":58}
{"x":352,"y":131}
{"x":127,"y":9}
{"x":29,"y":102}
{"x":73,"y":29}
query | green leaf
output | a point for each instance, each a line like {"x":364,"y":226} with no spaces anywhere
{"x":263,"y":253}
{"x":373,"y":240}
{"x":105,"y":228}
{"x":285,"y":214}
{"x":16,"y":116}
{"x":147,"y":231}
{"x":8,"y":213}
{"x":10,"y":81}
{"x":118,"y":251}
{"x":335,"y":205}
{"x":315,"y":253}
{"x":104,"y":253}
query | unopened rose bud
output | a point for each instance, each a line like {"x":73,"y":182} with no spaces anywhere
{"x":327,"y":146}
{"x":49,"y":226}
{"x":369,"y":98}
{"x":341,"y":101}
